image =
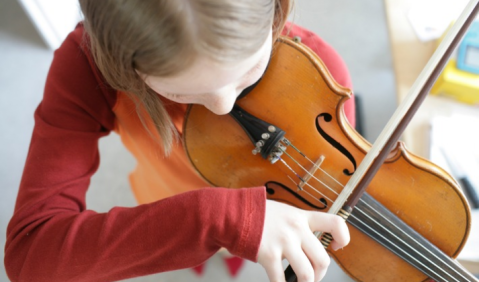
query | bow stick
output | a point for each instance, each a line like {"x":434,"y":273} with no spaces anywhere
{"x":396,"y":125}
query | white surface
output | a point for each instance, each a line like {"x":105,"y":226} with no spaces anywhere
{"x":54,"y":19}
{"x":458,"y":136}
{"x":471,"y":250}
{"x":430,"y":19}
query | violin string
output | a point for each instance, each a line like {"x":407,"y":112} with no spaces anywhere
{"x":403,"y":232}
{"x":385,"y":228}
{"x":297,"y":163}
{"x":409,"y":236}
{"x":308,"y":159}
{"x":309,"y":185}
{"x":394,"y":235}
{"x":405,"y":252}
{"x":305,"y":191}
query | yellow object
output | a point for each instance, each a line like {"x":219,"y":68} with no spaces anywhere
{"x":460,"y":85}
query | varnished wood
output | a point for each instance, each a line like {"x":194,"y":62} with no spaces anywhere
{"x":423,"y":195}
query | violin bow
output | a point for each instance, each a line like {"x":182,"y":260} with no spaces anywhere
{"x":389,"y":136}
{"x":356,"y":186}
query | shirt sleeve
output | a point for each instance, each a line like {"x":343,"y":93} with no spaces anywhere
{"x":52,"y":236}
{"x":333,"y":61}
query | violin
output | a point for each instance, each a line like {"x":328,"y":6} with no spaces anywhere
{"x":412,"y":220}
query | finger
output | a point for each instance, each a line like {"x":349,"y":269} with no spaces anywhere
{"x":317,"y":255}
{"x":274,"y":269}
{"x":332,"y":224}
{"x":300,"y":264}
{"x":335,"y":245}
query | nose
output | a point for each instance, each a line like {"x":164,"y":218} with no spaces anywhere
{"x":222,"y":101}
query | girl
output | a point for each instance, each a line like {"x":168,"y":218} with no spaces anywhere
{"x":132,"y":67}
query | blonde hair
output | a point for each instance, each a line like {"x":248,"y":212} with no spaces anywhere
{"x":163,"y":37}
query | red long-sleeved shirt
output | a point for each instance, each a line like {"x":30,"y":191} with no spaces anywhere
{"x":53,"y":237}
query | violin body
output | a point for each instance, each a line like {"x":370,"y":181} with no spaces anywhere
{"x":298,"y":95}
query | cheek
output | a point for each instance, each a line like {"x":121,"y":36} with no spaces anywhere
{"x":246,"y":83}
{"x":251,"y":79}
{"x":182,"y":99}
{"x":190,"y":99}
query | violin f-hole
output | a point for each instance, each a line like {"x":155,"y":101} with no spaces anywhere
{"x":327,"y":118}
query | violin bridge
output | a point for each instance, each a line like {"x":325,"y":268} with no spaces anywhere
{"x":311,"y":172}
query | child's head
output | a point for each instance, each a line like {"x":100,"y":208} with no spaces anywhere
{"x":132,"y":40}
{"x":212,"y":83}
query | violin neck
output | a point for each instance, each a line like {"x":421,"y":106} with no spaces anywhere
{"x":373,"y":219}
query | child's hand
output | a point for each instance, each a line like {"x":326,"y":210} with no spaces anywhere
{"x":288,"y":233}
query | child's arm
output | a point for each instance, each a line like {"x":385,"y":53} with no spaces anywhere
{"x":53,"y":237}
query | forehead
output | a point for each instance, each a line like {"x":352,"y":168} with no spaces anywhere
{"x":206,"y":75}
{"x":202,"y":76}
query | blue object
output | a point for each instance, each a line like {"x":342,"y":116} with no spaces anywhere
{"x":468,"y":52}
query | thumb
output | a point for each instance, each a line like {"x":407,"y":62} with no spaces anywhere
{"x":333,"y":224}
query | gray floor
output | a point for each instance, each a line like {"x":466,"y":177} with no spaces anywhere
{"x":357,"y":29}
